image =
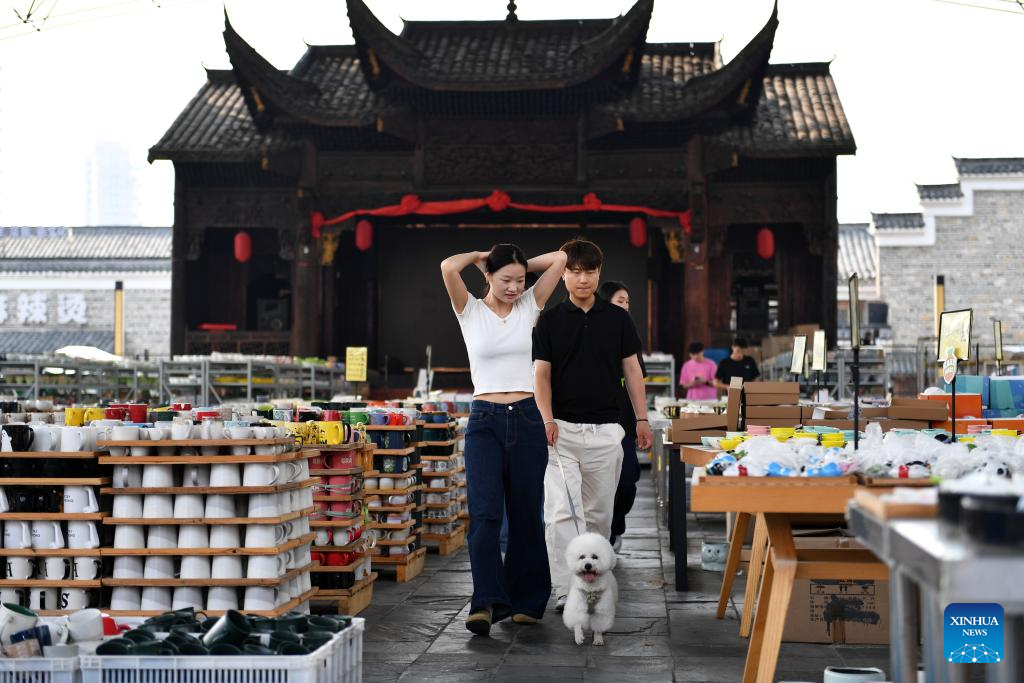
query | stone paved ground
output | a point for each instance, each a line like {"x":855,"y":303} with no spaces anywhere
{"x":415,"y":631}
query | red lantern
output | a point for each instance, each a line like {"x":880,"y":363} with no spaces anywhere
{"x":243,"y":246}
{"x":638,"y":232}
{"x":765,"y":243}
{"x":316,"y":223}
{"x":364,"y":235}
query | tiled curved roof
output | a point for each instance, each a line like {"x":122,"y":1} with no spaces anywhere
{"x":99,"y":242}
{"x":933,"y":192}
{"x":856,"y":252}
{"x":898,"y":221}
{"x":990,"y":166}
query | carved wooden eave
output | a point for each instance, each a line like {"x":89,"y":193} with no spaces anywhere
{"x":728,"y":95}
{"x":613,"y":55}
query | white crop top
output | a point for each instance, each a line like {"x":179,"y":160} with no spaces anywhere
{"x":500,"y":350}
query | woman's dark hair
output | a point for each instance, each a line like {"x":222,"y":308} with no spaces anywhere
{"x":582,"y":254}
{"x":740,"y":342}
{"x":502,"y":255}
{"x":695,"y":347}
{"x":608,"y":289}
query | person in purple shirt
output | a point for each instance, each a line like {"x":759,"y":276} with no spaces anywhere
{"x":698,"y":375}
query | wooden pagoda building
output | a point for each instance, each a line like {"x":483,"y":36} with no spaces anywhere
{"x":546,"y":112}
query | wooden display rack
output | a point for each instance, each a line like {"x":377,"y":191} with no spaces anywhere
{"x":446,"y":545}
{"x":52,"y":482}
{"x":407,"y":567}
{"x":283,"y":609}
{"x":351,"y":601}
{"x":224,"y":446}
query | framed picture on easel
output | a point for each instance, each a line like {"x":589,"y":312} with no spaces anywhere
{"x":955,"y":335}
{"x":796,"y":365}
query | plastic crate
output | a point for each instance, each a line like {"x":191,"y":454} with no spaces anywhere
{"x":340,"y":661}
{"x":39,"y":670}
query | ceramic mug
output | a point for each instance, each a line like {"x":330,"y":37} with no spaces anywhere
{"x":126,"y":598}
{"x":85,"y":625}
{"x":129,"y":537}
{"x":264,"y":535}
{"x":127,"y":476}
{"x":265,"y":566}
{"x":225,"y":475}
{"x":13,"y":619}
{"x":263,"y":505}
{"x":220,"y":506}
{"x":330,"y":433}
{"x":158,"y":567}
{"x":52,"y":568}
{"x":74,"y":417}
{"x":195,"y":567}
{"x":128,"y":506}
{"x":196,"y":475}
{"x":193,"y":536}
{"x":74,"y":598}
{"x":156,"y":599}
{"x":86,"y":568}
{"x":225,"y":536}
{"x":20,"y":568}
{"x":158,"y":506}
{"x":47,"y":535}
{"x":260,"y":598}
{"x":157,"y":476}
{"x":80,"y":499}
{"x":222,"y":598}
{"x":129,"y":567}
{"x":261,"y":474}
{"x":226,"y":567}
{"x":82,"y":535}
{"x":42,"y":599}
{"x":162,"y":536}
{"x":186,"y":596}
{"x":188,"y":506}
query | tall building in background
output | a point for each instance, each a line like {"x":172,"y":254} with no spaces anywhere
{"x":111,"y":186}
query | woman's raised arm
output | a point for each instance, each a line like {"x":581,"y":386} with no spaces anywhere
{"x":451,"y":272}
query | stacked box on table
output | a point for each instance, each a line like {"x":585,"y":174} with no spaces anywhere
{"x":1005,"y":393}
{"x":690,"y":427}
{"x":967,"y":405}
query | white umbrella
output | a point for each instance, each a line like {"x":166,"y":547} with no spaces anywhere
{"x":87,"y":353}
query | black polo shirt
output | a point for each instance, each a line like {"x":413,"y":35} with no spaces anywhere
{"x":585,"y":350}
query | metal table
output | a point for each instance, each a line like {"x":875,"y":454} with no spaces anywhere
{"x":930,"y":569}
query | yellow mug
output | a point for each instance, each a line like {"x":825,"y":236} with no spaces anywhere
{"x":330,"y":433}
{"x":74,"y":417}
{"x":94,"y":414}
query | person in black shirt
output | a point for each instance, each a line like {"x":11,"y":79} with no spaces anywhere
{"x":738,"y":364}
{"x":582,"y":349}
{"x":625,"y":493}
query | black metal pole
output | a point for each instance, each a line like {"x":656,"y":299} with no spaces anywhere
{"x":856,"y":398}
{"x":977,"y":359}
{"x":817,"y":397}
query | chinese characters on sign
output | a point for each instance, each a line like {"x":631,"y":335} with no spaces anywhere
{"x":32,"y":308}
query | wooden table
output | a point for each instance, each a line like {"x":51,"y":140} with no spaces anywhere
{"x":776,"y":503}
{"x":698,"y":456}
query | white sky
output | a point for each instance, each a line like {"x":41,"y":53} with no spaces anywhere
{"x":921,"y":81}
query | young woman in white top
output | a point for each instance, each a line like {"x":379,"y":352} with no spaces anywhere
{"x":506,"y":446}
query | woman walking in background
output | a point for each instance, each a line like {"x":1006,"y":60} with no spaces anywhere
{"x":506,"y":446}
{"x":618,"y":294}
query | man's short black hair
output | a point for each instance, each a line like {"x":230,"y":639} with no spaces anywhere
{"x":695,"y":347}
{"x":740,"y":342}
{"x":582,"y":254}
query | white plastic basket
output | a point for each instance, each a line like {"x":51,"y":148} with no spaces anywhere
{"x":39,"y":670}
{"x":340,"y":661}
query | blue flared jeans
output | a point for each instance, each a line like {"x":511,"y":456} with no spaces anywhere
{"x":506,"y":456}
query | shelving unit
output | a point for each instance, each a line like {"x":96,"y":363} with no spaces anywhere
{"x":661,"y":376}
{"x":294,"y":498}
{"x":357,"y":594}
{"x":199,"y":380}
{"x":443,"y":527}
{"x":838,"y":376}
{"x":34,"y":482}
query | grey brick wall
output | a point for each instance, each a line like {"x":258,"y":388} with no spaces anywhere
{"x":147,"y":316}
{"x":982,"y":259}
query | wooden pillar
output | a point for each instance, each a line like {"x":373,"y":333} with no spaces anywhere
{"x":696,"y":316}
{"x":179,"y":252}
{"x":829,"y":256}
{"x":306,"y":332}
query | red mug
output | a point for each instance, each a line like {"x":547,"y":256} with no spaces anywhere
{"x":337,"y":460}
{"x":318,"y":557}
{"x":330,"y":416}
{"x":112,"y":628}
{"x":203,"y":414}
{"x":113,"y":413}
{"x":318,"y":462}
{"x":181,"y":406}
{"x":346,"y":507}
{"x":138,"y":412}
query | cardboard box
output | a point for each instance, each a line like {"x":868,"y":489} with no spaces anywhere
{"x":916,"y":409}
{"x":967,"y":405}
{"x":771,"y":399}
{"x":838,"y":612}
{"x":871,"y":412}
{"x":688,"y":422}
{"x":961,"y":424}
{"x":776,"y":412}
{"x":693,"y":437}
{"x":734,"y":403}
{"x":772,"y":388}
{"x":1008,"y":423}
{"x":788,"y":423}
{"x":889,"y":425}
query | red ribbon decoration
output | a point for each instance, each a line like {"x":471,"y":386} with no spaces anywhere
{"x":496,"y":201}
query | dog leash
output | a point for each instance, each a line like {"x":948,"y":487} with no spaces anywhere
{"x":565,"y":482}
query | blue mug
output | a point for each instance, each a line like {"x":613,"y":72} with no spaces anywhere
{"x":379,"y":418}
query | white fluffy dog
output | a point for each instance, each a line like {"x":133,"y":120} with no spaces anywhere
{"x":593,"y":590}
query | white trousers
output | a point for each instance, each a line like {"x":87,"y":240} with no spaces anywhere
{"x":591,"y":456}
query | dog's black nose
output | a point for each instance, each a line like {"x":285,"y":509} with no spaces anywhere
{"x":588,"y":566}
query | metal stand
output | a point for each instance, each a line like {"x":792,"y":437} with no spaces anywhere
{"x":817,"y":393}
{"x":952,"y":411}
{"x":856,"y":398}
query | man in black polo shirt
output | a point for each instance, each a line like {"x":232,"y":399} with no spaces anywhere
{"x":582,"y":349}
